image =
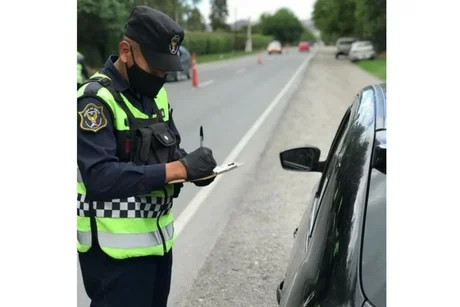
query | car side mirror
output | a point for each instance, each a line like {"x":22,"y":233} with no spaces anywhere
{"x":302,"y":159}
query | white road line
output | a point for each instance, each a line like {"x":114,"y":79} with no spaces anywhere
{"x":187,"y":214}
{"x":240,"y":70}
{"x":205,"y":83}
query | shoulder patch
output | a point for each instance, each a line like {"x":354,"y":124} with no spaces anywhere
{"x":92,"y":118}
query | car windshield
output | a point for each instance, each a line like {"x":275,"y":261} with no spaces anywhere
{"x":274,"y":45}
{"x":345,"y":41}
{"x":362,"y":44}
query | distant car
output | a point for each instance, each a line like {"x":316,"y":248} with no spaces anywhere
{"x":275,"y":47}
{"x":186,"y":62}
{"x":361,"y":50}
{"x":304,"y":46}
{"x":343,"y":45}
{"x":339,"y":253}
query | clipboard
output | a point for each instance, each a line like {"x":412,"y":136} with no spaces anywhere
{"x":221,"y":169}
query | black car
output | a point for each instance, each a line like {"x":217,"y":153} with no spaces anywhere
{"x":186,"y":62}
{"x":339,"y":252}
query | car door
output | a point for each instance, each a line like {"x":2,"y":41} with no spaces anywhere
{"x":306,"y":225}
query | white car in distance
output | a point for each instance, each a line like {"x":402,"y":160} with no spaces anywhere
{"x":361,"y":50}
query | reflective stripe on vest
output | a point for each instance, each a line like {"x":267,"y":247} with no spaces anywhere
{"x":130,"y":240}
{"x":133,"y":226}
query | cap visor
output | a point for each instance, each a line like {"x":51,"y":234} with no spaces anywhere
{"x":167,"y":62}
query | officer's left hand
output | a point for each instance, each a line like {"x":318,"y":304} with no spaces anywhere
{"x":203,"y":183}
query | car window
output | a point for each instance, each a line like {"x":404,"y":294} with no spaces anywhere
{"x":362,"y":44}
{"x":338,"y":139}
{"x":331,"y":160}
{"x":373,"y":261}
{"x":345,"y":42}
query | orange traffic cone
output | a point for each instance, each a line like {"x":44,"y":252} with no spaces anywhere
{"x":194,"y":72}
{"x":259,"y":60}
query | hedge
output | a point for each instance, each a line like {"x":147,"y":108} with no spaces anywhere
{"x":199,"y":42}
{"x":214,"y":42}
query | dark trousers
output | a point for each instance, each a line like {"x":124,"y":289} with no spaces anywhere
{"x":136,"y":282}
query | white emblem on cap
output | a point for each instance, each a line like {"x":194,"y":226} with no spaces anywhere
{"x":173,"y":45}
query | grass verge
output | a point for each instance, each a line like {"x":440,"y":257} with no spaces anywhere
{"x":377,"y":67}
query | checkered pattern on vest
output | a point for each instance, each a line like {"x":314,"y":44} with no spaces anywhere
{"x":131,"y":207}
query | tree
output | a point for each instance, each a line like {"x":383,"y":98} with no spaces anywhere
{"x":307,"y":35}
{"x":195,"y":21}
{"x":99,"y":26}
{"x":364,"y":19}
{"x":371,"y":22}
{"x":334,"y":18}
{"x":283,"y":26}
{"x":219,"y":14}
{"x":101,"y":22}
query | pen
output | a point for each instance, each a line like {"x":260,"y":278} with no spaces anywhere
{"x":201,"y":136}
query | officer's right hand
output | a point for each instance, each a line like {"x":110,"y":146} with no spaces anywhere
{"x":199,"y":163}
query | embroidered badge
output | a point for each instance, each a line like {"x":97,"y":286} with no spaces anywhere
{"x":174,"y":44}
{"x":92,"y":118}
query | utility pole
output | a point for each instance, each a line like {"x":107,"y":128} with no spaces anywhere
{"x":234,"y":30}
{"x":248,"y":47}
{"x":176,"y":11}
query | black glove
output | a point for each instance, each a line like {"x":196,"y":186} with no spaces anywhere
{"x":203,"y":183}
{"x":179,"y":153}
{"x":199,"y":163}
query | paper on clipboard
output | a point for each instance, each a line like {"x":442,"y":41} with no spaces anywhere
{"x":224,"y":168}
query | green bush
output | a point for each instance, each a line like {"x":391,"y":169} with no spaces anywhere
{"x":199,"y":42}
{"x":214,"y":42}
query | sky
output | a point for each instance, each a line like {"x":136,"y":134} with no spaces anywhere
{"x":254,"y":8}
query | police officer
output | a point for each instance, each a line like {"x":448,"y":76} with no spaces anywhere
{"x":128,"y":151}
{"x":82,"y":73}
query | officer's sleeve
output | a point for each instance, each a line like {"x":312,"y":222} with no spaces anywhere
{"x":105,"y":177}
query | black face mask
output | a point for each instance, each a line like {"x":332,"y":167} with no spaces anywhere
{"x":142,"y":82}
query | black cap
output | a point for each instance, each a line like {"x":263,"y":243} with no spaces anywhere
{"x":158,"y":35}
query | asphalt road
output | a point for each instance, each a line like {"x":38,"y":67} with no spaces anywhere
{"x":232,"y":97}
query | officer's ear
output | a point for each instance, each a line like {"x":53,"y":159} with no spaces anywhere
{"x":124,"y":50}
